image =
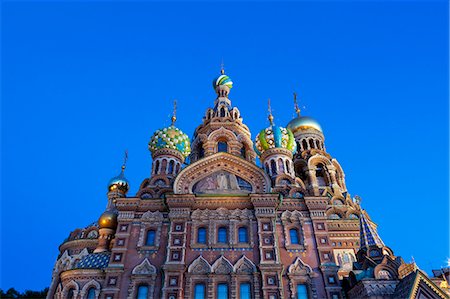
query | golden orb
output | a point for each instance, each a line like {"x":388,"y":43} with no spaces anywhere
{"x":108,"y":220}
{"x":303,"y":123}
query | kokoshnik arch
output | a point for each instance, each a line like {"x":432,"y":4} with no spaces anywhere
{"x":219,"y":226}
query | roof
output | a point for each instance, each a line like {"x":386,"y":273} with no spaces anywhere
{"x":410,"y":286}
{"x":98,"y":260}
{"x":369,"y":234}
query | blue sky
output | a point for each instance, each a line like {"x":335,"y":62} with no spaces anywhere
{"x":83,"y":81}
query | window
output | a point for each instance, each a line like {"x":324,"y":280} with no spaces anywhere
{"x":199,"y":291}
{"x":157,"y":166}
{"x":305,"y":144}
{"x":171,"y":164}
{"x":222,"y":147}
{"x":201,"y":235}
{"x":293,"y":234}
{"x":243,"y":154}
{"x":201,"y":150}
{"x":243,"y":237}
{"x":222,"y":235}
{"x":273,"y":166}
{"x":91,"y":293}
{"x":302,"y":292}
{"x":150,"y":241}
{"x":70,"y":294}
{"x":244,"y":291}
{"x":142,"y":292}
{"x":222,"y":291}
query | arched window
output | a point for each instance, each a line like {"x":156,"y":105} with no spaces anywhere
{"x":91,"y":293}
{"x":320,"y":175}
{"x":171,"y":163}
{"x":288,"y":169}
{"x":142,"y":292}
{"x":243,"y":153}
{"x":199,"y":291}
{"x":273,"y":165}
{"x":222,"y":147}
{"x":222,"y":291}
{"x":311,"y":143}
{"x":293,"y":234}
{"x":70,"y":294}
{"x":201,"y":235}
{"x":177,"y":169}
{"x":150,"y":241}
{"x":222,"y":112}
{"x":222,"y":235}
{"x":156,"y":166}
{"x":317,"y":144}
{"x":302,"y":291}
{"x":201,"y":150}
{"x":281,"y":165}
{"x":244,"y":291}
{"x":243,"y":235}
{"x":305,"y":144}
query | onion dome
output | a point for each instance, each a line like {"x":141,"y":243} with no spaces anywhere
{"x":108,"y":220}
{"x":223,"y":80}
{"x":170,"y":138}
{"x":275,"y":137}
{"x":301,"y":123}
{"x":119,"y":183}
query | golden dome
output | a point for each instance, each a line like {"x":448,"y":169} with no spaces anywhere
{"x":303,"y":123}
{"x":108,"y":220}
{"x":119,"y":183}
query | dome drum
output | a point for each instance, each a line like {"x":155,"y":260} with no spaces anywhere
{"x":168,"y":152}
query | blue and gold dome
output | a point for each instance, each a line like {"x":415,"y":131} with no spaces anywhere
{"x":119,"y":183}
{"x":171,"y":138}
{"x":301,"y":123}
{"x":275,"y":137}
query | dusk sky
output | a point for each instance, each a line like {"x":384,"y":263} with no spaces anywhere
{"x":82,"y":81}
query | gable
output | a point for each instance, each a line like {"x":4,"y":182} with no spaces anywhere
{"x":222,"y":173}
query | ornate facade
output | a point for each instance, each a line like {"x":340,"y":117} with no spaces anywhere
{"x":210,"y":223}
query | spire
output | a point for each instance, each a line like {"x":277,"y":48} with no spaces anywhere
{"x":222,"y":69}
{"x":297,"y":108}
{"x":368,"y":232}
{"x":270,"y":113}
{"x":174,"y":114}
{"x":125,"y":159}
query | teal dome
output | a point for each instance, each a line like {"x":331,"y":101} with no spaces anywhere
{"x":303,"y":123}
{"x":119,"y":183}
{"x":171,"y":138}
{"x":275,"y":137}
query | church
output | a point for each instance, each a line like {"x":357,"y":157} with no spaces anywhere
{"x":210,"y":222}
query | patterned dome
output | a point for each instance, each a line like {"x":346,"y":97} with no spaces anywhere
{"x":303,"y":123}
{"x":223,"y":80}
{"x":119,"y":183}
{"x":275,"y":137}
{"x":172,"y":138}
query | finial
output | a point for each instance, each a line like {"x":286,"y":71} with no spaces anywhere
{"x":222,"y":69}
{"x":270,"y":113}
{"x":297,"y":109}
{"x":125,"y":158}
{"x":174,"y":115}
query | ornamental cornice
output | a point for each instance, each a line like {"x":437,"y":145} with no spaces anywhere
{"x":83,"y":274}
{"x":221,"y":161}
{"x":80,"y":243}
{"x":276,"y":151}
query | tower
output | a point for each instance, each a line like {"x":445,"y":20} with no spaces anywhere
{"x":275,"y":146}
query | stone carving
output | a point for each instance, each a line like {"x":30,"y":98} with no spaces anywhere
{"x":222,"y":266}
{"x":222,"y":214}
{"x":200,"y":266}
{"x":144,"y":268}
{"x":152,"y":216}
{"x":244,"y":266}
{"x":299,"y":268}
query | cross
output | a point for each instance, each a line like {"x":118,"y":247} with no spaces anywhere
{"x":297,"y":109}
{"x":125,"y":158}
{"x":174,"y":115}
{"x":222,"y":69}
{"x":270,"y":112}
